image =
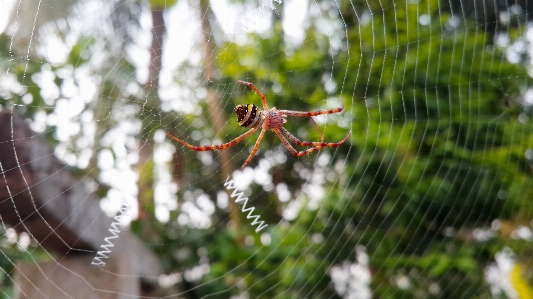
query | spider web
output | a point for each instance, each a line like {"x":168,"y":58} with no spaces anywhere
{"x":430,"y":197}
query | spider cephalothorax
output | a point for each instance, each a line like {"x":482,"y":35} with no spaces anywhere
{"x":250,"y":116}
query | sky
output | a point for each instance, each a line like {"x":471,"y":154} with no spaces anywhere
{"x":5,"y":9}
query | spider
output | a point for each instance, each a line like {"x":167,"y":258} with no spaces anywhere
{"x":250,"y":116}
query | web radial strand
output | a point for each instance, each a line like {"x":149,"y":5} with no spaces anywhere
{"x":395,"y":162}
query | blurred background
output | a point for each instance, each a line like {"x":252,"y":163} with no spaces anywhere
{"x":430,"y":197}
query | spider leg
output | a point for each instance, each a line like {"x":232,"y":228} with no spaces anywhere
{"x":291,"y":149}
{"x":216,"y":146}
{"x":311,"y":143}
{"x":309,"y":113}
{"x":256,"y":147}
{"x":252,"y":86}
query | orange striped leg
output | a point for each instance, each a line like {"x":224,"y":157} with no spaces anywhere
{"x":310,"y":143}
{"x":214,"y":147}
{"x":310,"y":113}
{"x":291,"y":149}
{"x":256,"y":147}
{"x":252,"y":86}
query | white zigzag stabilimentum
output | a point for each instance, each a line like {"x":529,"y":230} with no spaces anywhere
{"x":115,"y":231}
{"x":240,"y":197}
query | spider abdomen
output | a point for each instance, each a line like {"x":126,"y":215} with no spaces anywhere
{"x":249,"y":116}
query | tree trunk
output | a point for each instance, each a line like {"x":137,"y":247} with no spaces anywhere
{"x":146,"y":150}
{"x":215,"y":115}
{"x":159,"y":29}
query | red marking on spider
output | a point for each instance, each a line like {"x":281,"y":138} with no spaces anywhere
{"x":250,"y":116}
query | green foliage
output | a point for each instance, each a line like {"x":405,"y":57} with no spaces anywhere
{"x":162,"y":4}
{"x":435,"y":154}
